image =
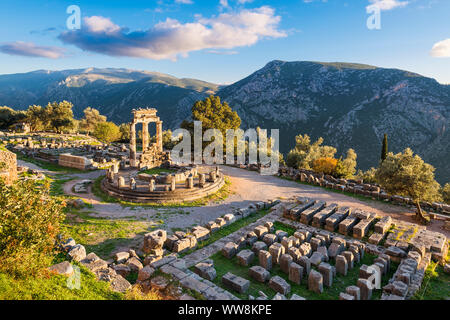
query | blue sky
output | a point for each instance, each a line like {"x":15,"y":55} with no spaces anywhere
{"x":223,"y":41}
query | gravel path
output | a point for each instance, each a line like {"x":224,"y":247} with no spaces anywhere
{"x":247,"y":187}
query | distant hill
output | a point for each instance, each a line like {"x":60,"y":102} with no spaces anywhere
{"x":115,"y":92}
{"x":349,"y":105}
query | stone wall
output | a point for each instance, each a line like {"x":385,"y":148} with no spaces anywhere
{"x":67,"y":160}
{"x":8,"y":166}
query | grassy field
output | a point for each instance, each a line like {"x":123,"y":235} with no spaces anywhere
{"x":435,"y":285}
{"x":54,"y":287}
{"x":102,"y":236}
{"x":224,"y":265}
{"x":219,"y":196}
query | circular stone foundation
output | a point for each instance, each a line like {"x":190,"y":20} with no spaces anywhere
{"x":132,"y":186}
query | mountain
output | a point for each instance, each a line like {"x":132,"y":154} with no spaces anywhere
{"x":114,"y":92}
{"x":349,"y":105}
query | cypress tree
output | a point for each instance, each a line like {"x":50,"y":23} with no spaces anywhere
{"x":384,"y":149}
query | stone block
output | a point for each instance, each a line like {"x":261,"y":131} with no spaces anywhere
{"x":229,"y":250}
{"x":306,"y":264}
{"x":259,"y":273}
{"x":327,"y":272}
{"x":258,"y":246}
{"x":285,"y":262}
{"x":265,"y":259}
{"x":315,"y":282}
{"x":279,"y":285}
{"x":206,"y":270}
{"x":269,"y":239}
{"x":236,"y":283}
{"x":276,"y":250}
{"x":354,"y":291}
{"x":341,"y":265}
{"x":365,"y":287}
{"x":316,"y":258}
{"x":295,"y":273}
{"x":245,"y":257}
{"x":345,"y":296}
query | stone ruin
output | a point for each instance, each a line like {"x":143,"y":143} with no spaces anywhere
{"x":329,"y":242}
{"x":152,"y":155}
{"x":79,"y":153}
{"x":185,"y":184}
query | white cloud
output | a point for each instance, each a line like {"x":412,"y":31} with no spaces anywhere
{"x":29,"y":49}
{"x":441,"y":49}
{"x":386,"y":5}
{"x":184,"y":1}
{"x":171,"y":38}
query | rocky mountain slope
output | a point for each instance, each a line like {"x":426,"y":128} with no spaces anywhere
{"x":114,"y":92}
{"x":349,"y":105}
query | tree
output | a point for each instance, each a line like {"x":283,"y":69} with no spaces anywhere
{"x":384,"y":149}
{"x":35,"y":118}
{"x":304,"y":153}
{"x":107,"y":132}
{"x":30,"y":219}
{"x":324,"y":165}
{"x":346,"y":168}
{"x":214,"y":115}
{"x":367,"y":176}
{"x":125,"y":132}
{"x":446,"y":193}
{"x":91,"y":118}
{"x":406,"y":174}
{"x":8,"y":117}
{"x":59,"y":116}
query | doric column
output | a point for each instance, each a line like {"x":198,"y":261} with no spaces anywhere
{"x":159,"y":136}
{"x":133,"y":145}
{"x":145,"y":137}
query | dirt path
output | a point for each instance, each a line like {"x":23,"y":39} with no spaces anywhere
{"x":247,"y":187}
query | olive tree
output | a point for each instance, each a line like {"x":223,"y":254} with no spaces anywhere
{"x":406,"y":174}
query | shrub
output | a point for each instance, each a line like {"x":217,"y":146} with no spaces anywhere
{"x":446,"y":193}
{"x":29,"y":222}
{"x":325,"y":165}
{"x":367,"y":176}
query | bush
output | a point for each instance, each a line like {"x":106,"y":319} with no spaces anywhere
{"x":446,"y":193}
{"x":29,"y":222}
{"x":107,"y":132}
{"x":325,"y":165}
{"x":367,"y":176}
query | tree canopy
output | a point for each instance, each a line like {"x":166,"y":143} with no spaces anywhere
{"x":406,"y":174}
{"x":90,"y":120}
{"x":214,"y":115}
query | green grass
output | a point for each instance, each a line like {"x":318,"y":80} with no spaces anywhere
{"x":435,"y":284}
{"x":57,"y":185}
{"x":225,"y":231}
{"x":54,"y":287}
{"x":47,"y":165}
{"x":102,"y":236}
{"x":224,"y":265}
{"x":157,"y":171}
{"x":220,"y":195}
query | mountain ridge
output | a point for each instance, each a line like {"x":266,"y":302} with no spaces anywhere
{"x":348,"y":104}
